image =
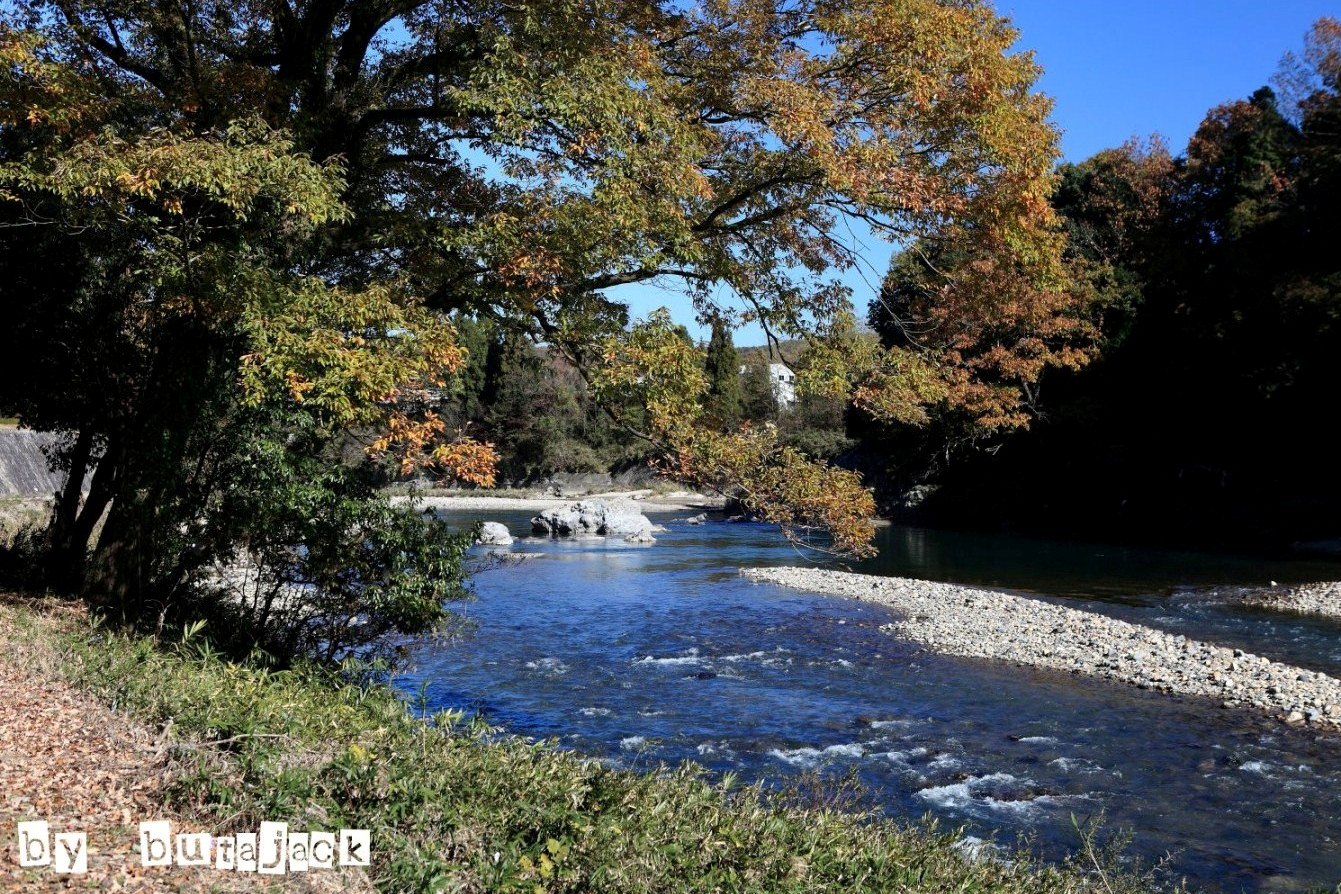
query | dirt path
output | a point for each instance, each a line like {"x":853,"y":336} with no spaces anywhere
{"x":70,"y":760}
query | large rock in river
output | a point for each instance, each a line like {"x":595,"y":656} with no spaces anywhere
{"x":494,"y":534}
{"x":595,"y":517}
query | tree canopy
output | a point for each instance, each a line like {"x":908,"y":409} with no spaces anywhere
{"x":274,"y":207}
{"x":1216,"y":293}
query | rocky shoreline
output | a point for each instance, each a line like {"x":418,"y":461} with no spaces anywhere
{"x":1322,"y":599}
{"x":637,"y":501}
{"x":977,"y":623}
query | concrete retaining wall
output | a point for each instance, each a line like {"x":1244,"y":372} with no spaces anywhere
{"x":23,"y":465}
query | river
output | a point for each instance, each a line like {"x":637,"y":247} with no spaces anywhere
{"x":642,"y":655}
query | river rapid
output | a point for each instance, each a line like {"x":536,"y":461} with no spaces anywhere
{"x":649,"y":654}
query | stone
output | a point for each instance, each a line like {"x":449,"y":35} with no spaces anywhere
{"x":952,"y":619}
{"x":494,"y":534}
{"x":595,"y":518}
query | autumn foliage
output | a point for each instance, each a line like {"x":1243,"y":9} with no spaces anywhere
{"x":279,"y":207}
{"x":1211,"y":276}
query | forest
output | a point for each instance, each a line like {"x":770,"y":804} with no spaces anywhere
{"x":1206,"y":417}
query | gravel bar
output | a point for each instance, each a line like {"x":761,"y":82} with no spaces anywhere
{"x":1322,"y":599}
{"x":978,"y":623}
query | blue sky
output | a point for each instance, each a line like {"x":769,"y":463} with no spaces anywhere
{"x":1120,"y":69}
{"x":1116,"y":70}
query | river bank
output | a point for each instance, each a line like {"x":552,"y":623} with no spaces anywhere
{"x":979,"y":623}
{"x":68,"y":758}
{"x":450,"y":808}
{"x":645,"y":500}
{"x":1321,"y":599}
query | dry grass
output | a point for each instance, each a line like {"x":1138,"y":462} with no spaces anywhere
{"x":69,"y":758}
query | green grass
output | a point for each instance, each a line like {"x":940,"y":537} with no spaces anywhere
{"x":454,"y":807}
{"x":18,"y":513}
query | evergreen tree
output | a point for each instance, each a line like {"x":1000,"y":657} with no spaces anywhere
{"x":758,"y":401}
{"x":723,"y":367}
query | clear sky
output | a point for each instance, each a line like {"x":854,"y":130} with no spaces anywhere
{"x":1136,"y":67}
{"x":1116,"y":69}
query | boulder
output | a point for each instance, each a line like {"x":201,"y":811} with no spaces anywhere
{"x":494,"y":534}
{"x":595,"y":518}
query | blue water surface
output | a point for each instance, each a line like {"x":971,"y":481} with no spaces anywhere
{"x":643,"y":655}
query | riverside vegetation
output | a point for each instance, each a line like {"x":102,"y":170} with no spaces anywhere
{"x":241,"y":244}
{"x":244,"y":245}
{"x":454,"y":806}
{"x":1219,"y":320}
{"x":228,"y":275}
{"x":1216,"y":322}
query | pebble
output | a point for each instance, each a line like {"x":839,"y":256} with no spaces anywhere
{"x":977,"y":623}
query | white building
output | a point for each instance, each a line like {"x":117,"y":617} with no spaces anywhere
{"x":783,"y":381}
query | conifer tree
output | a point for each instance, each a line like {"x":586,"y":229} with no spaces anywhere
{"x":723,"y":367}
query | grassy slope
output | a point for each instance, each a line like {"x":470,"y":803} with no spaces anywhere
{"x":453,"y":809}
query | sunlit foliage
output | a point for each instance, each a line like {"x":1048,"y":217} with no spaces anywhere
{"x":317,"y":187}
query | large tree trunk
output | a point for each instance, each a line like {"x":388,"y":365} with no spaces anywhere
{"x":136,"y":544}
{"x":65,"y":511}
{"x":118,"y":577}
{"x":74,"y":516}
{"x":100,"y":492}
{"x":159,"y":450}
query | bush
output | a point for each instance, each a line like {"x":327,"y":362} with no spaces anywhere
{"x":21,"y":549}
{"x":328,"y":567}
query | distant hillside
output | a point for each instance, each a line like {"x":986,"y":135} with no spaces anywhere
{"x":788,"y":351}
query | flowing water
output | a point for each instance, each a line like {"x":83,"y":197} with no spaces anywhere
{"x":642,"y":655}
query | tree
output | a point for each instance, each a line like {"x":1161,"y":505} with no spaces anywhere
{"x":538,"y":414}
{"x":1238,"y":164}
{"x":193,"y":344}
{"x":514,"y":162}
{"x":1115,"y":209}
{"x":816,"y":426}
{"x":1215,"y":282}
{"x":723,"y":368}
{"x":758,"y":399}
